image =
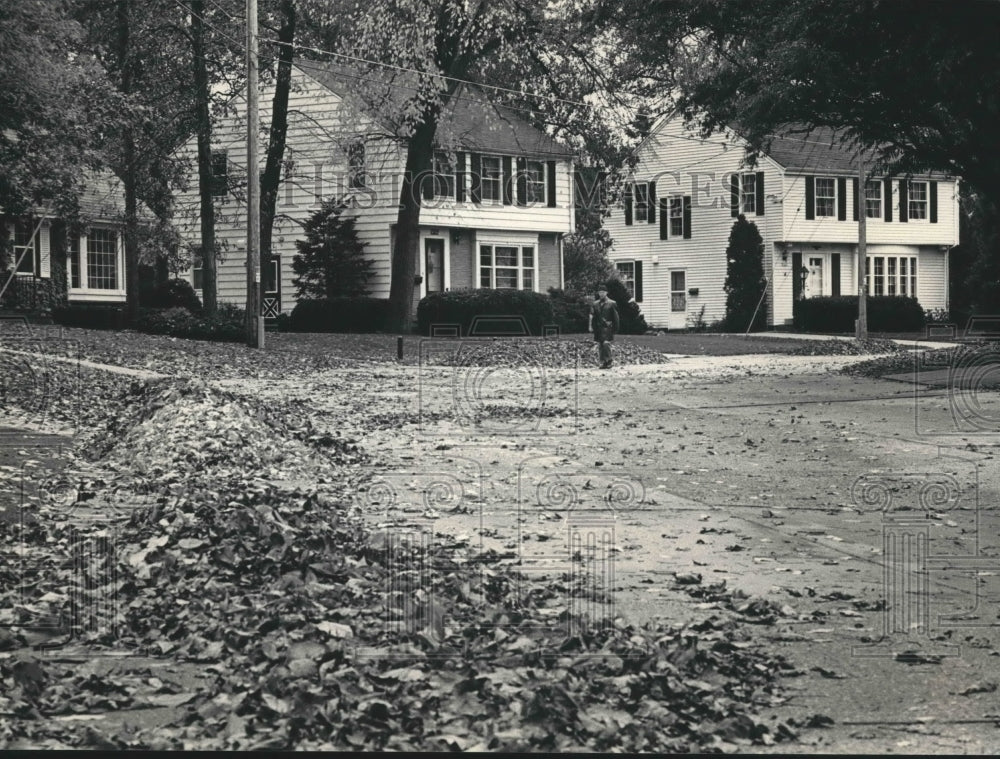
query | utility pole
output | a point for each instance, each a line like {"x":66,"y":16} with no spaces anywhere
{"x":255,"y":320}
{"x":862,"y":250}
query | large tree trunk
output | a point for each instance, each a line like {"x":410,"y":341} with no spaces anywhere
{"x":271,"y":177}
{"x":205,"y":177}
{"x":406,"y":249}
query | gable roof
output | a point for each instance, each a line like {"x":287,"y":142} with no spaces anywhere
{"x":469,"y":121}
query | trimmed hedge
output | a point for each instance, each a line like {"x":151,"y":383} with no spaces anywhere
{"x":461,"y":307}
{"x":355,"y":314}
{"x":173,"y":293}
{"x":570,"y":310}
{"x":227,"y":325}
{"x":90,"y":316}
{"x":886,"y":313}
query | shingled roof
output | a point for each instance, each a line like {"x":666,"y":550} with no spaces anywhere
{"x":470,"y":121}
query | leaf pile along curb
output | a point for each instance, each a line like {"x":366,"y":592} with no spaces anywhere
{"x":871,"y":346}
{"x":239,"y":551}
{"x":548,"y":353}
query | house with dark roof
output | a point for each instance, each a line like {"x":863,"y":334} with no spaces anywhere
{"x":493,"y":216}
{"x":52,"y":261}
{"x":672,"y":228}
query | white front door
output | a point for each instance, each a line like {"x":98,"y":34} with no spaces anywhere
{"x":677,"y":318}
{"x":814,"y":277}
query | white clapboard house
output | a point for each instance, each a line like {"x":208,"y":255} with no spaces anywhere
{"x":494,"y":216}
{"x":683,"y":196}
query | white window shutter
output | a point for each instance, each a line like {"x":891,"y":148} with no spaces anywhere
{"x":45,"y":258}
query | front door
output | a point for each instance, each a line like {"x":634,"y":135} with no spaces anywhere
{"x":677,"y":318}
{"x":270,"y":305}
{"x":434,"y":264}
{"x":814,"y":277}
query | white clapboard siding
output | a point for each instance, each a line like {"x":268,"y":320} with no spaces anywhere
{"x":320,"y":129}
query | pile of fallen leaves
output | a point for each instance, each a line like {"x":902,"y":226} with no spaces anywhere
{"x":871,"y":346}
{"x":549,"y":353}
{"x":235,"y":546}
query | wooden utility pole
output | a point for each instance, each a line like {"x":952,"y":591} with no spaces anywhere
{"x":862,"y":332}
{"x":255,"y":320}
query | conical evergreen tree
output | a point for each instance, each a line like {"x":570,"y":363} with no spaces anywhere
{"x":745,"y":277}
{"x":331,"y":260}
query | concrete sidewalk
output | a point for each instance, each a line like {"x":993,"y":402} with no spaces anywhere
{"x":915,"y":344}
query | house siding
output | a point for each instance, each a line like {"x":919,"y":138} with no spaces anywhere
{"x":679,"y":162}
{"x":321,"y":127}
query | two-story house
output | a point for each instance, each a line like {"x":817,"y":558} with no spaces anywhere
{"x":494,"y":215}
{"x":671,"y":232}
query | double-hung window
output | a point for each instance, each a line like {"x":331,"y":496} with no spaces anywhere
{"x":748,"y":193}
{"x":534,"y":182}
{"x":873,"y":199}
{"x":444,"y":175}
{"x":220,"y":173}
{"x":507,"y":267}
{"x":917,"y":205}
{"x":676,"y":211}
{"x":641,"y":200}
{"x":197,"y":270}
{"x":626,"y":273}
{"x":358,"y":179}
{"x":102,"y":259}
{"x":25,"y":248}
{"x":491,"y":181}
{"x":826,"y":197}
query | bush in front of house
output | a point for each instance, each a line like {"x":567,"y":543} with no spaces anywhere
{"x":632,"y":322}
{"x":226,"y":325}
{"x":570,"y":310}
{"x":462,"y":307}
{"x":173,"y":293}
{"x":886,"y":313}
{"x":90,"y":316}
{"x":347,"y":314}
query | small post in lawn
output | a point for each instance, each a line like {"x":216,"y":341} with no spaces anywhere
{"x":399,"y":349}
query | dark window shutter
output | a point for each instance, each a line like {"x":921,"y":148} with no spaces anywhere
{"x":664,"y":218}
{"x":855,"y":196}
{"x":522,"y":182}
{"x":887,"y":184}
{"x":835,"y":274}
{"x":796,"y":277}
{"x":550,"y":178}
{"x":460,"y":177}
{"x":638,"y":281}
{"x":734,"y":195}
{"x":651,"y":214}
{"x":476,"y":175}
{"x":687,"y":217}
{"x":508,"y":181}
{"x":842,"y":199}
{"x":810,"y":197}
{"x":628,"y":205}
{"x":932,"y":190}
{"x":760,"y":193}
{"x":904,"y":201}
{"x":426,"y":180}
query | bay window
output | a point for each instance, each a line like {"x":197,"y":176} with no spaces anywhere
{"x":507,"y":267}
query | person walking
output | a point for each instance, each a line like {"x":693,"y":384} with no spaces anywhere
{"x":604,"y":323}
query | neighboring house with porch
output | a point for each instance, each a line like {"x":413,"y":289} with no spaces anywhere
{"x":51,"y":262}
{"x":679,"y":204}
{"x":494,"y":215}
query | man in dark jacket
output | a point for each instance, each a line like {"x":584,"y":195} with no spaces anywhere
{"x":604,"y":322}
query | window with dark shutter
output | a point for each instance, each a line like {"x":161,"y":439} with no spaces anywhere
{"x":550,"y":177}
{"x":933,"y":202}
{"x":810,"y":197}
{"x":760,"y":193}
{"x":888,"y":198}
{"x":834,"y":274}
{"x":842,"y":199}
{"x":651,"y":216}
{"x":522,"y":182}
{"x":638,"y":281}
{"x":854,"y":196}
{"x":904,"y":201}
{"x":687,"y":217}
{"x":628,"y":205}
{"x":220,"y":173}
{"x":734,"y":195}
{"x":664,"y":217}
